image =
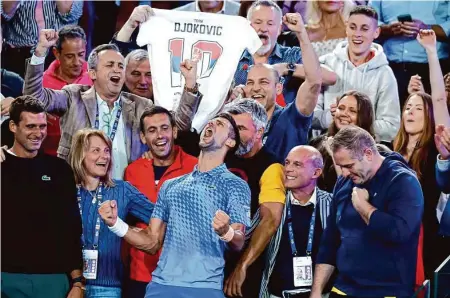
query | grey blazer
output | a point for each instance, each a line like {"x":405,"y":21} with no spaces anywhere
{"x":77,"y":104}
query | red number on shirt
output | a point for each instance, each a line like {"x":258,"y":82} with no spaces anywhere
{"x":207,"y":53}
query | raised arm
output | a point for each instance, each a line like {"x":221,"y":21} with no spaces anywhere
{"x":149,"y":240}
{"x":190,"y":99}
{"x":139,"y":15}
{"x":427,"y":38}
{"x":53,"y":100}
{"x":69,"y":11}
{"x":308,"y":93}
{"x":328,"y":76}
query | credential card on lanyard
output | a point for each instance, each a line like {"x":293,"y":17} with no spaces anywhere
{"x":303,"y":271}
{"x":90,"y":262}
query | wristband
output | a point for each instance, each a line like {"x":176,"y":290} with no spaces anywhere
{"x":120,"y":228}
{"x":228,"y":236}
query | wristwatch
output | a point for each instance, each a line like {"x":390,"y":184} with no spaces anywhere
{"x":193,"y":90}
{"x":291,"y":68}
{"x":79,"y":279}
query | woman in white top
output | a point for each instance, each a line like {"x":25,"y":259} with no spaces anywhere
{"x":326,"y":21}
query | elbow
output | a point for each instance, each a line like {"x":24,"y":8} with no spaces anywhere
{"x":329,"y":79}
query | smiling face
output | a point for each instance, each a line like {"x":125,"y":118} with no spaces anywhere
{"x":97,"y":157}
{"x":300,"y":169}
{"x":414,"y":115}
{"x":30,"y":131}
{"x":216,"y":135}
{"x":346,"y":112}
{"x":262,"y":86}
{"x":159,"y":135}
{"x":138,"y":78}
{"x":267,"y":23}
{"x":361,"y":31}
{"x":109,"y":75}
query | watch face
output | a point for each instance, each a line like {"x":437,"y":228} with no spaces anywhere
{"x":291,"y":67}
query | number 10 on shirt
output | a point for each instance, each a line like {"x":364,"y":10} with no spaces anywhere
{"x":207,"y":53}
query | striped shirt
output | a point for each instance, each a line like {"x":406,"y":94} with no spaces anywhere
{"x":323,"y":199}
{"x":21,"y":28}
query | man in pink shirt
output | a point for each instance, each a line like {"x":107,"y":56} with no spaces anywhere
{"x":70,"y":67}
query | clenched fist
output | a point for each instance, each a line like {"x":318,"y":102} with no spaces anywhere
{"x":108,"y":212}
{"x":189,"y":71}
{"x":140,"y":14}
{"x":221,"y":223}
{"x":47,"y":39}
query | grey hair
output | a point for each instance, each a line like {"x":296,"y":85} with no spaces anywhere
{"x":249,"y":106}
{"x":266,"y":3}
{"x":93,"y":56}
{"x":354,"y":139}
{"x":138,"y":55}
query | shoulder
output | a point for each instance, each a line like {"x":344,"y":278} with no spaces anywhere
{"x":233,"y":182}
{"x":292,"y":54}
{"x":55,"y":162}
{"x":137,"y":164}
{"x":324,"y":196}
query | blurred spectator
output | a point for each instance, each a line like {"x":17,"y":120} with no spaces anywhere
{"x":406,"y":57}
{"x":158,"y":131}
{"x":24,"y":21}
{"x":414,"y":142}
{"x":361,"y":65}
{"x":38,"y":186}
{"x":243,"y":9}
{"x":373,"y":228}
{"x":306,"y":212}
{"x":289,"y":6}
{"x":326,"y":23}
{"x":352,"y":108}
{"x":70,"y":67}
{"x":91,"y":162}
{"x":263,"y":85}
{"x":138,"y":75}
{"x":80,"y":106}
{"x":266,"y":18}
{"x":228,"y":7}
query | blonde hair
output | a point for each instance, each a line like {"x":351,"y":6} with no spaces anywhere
{"x":80,"y":144}
{"x":314,"y":13}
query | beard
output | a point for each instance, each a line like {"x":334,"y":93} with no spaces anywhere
{"x":264,"y":49}
{"x":245,"y":148}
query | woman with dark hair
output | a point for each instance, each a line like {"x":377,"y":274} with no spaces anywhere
{"x":415,"y":141}
{"x":352,"y":108}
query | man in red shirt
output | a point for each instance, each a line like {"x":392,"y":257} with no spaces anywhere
{"x":158,"y":132}
{"x":70,"y":67}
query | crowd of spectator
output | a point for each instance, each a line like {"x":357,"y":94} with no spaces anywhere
{"x":323,"y":172}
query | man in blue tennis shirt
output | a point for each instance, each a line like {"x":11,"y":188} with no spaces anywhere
{"x":197,"y":216}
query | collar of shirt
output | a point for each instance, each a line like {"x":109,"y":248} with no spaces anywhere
{"x":275,"y":52}
{"x":101,"y":102}
{"x":312,"y":200}
{"x":216,"y":170}
{"x":222,"y":11}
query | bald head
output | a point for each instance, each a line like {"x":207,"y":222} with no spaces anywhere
{"x":303,"y":166}
{"x":262,"y":67}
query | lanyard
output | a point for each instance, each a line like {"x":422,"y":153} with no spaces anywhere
{"x":291,"y":231}
{"x":115,"y":125}
{"x":98,"y":198}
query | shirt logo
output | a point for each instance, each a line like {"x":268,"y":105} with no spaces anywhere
{"x":46,"y":178}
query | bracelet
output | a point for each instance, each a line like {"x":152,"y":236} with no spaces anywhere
{"x":83,"y":288}
{"x":228,"y":236}
{"x":120,"y":228}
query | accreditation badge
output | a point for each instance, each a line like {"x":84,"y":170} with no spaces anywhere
{"x":303,"y":271}
{"x":90,"y":262}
